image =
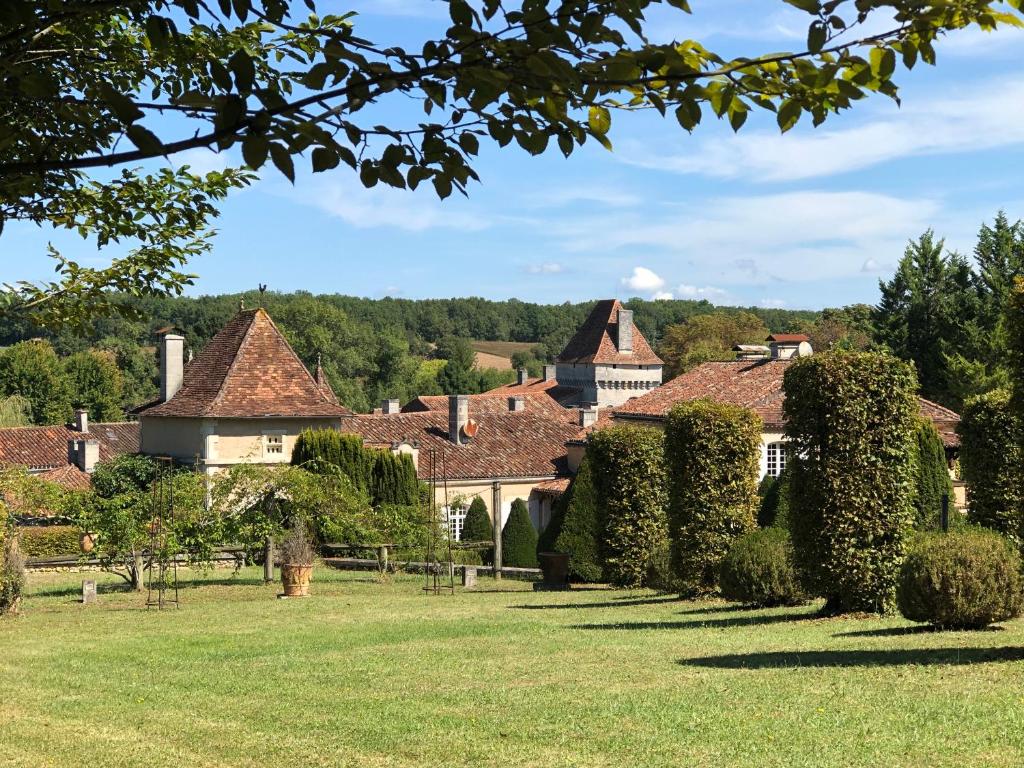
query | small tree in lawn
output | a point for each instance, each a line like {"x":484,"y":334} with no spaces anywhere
{"x":519,"y":538}
{"x":991,"y":463}
{"x":933,"y":481}
{"x":477,"y":526}
{"x":712,"y":456}
{"x":581,"y":527}
{"x":629,"y":476}
{"x":852,"y":422}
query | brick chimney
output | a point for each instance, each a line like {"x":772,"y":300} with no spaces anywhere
{"x":517,"y":404}
{"x":625,"y":340}
{"x":81,"y":420}
{"x":550,"y":372}
{"x":390,"y":406}
{"x":522,"y":376}
{"x":458,"y":418}
{"x":588,"y":416}
{"x":172,"y":365}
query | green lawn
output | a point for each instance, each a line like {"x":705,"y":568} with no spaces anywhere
{"x":368,"y":674}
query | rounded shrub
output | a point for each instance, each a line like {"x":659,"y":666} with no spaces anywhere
{"x":758,"y":570}
{"x":519,"y":538}
{"x":966,"y":579}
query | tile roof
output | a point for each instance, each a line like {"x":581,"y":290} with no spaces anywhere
{"x":563,"y":395}
{"x":248,"y":370}
{"x":788,"y":337}
{"x":324,"y":384}
{"x":68,"y":476}
{"x":752,"y":384}
{"x":523,"y":444}
{"x":47,"y":447}
{"x":594,"y":342}
{"x":495,"y":403}
{"x":555,"y":487}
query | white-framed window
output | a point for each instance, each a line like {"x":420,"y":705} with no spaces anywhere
{"x":776,"y":458}
{"x":273,"y":444}
{"x":455,"y":521}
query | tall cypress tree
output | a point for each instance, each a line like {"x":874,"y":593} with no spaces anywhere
{"x":933,"y":481}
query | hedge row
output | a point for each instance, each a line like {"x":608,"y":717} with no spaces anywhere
{"x":852,"y":421}
{"x":49,"y":540}
{"x":713,"y":455}
{"x":628,"y":465}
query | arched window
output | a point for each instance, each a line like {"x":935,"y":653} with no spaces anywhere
{"x":776,"y":458}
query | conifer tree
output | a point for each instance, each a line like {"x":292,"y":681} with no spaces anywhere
{"x":519,"y":538}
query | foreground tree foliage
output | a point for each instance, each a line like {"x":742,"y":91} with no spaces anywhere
{"x":628,"y":471}
{"x":851,"y":419}
{"x":712,"y":456}
{"x":87,"y":85}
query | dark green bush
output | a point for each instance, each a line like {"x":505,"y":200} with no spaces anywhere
{"x":547,"y":539}
{"x":933,"y":481}
{"x":758,"y":570}
{"x":477,"y":527}
{"x":49,"y":540}
{"x":660,"y":575}
{"x":851,"y":419}
{"x":519,"y":538}
{"x":712,"y":454}
{"x":961,"y":580}
{"x":628,"y":470}
{"x":581,"y":527}
{"x":774,"y":509}
{"x":991,"y":463}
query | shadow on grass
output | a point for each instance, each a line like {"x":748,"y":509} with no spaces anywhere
{"x":732,"y":621}
{"x":713,"y":609}
{"x":864,"y":658}
{"x":75,"y":591}
{"x":617,"y":603}
{"x":919,"y":629}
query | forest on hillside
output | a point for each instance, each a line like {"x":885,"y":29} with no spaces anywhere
{"x":942,"y":310}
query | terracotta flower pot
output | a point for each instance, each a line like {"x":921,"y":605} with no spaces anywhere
{"x":295,"y":579}
{"x":87,"y":542}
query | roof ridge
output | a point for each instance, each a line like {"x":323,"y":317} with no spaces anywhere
{"x":294,"y":354}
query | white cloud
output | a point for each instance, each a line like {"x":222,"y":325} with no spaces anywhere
{"x":602,"y":195}
{"x":643,"y":280}
{"x":976,"y":42}
{"x":754,"y":240}
{"x":983,"y":118}
{"x":708,"y":292}
{"x":772,"y":303}
{"x":547,"y":268}
{"x":662,"y":296}
{"x":201,"y":161}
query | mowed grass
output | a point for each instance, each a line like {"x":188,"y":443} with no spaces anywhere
{"x":380,"y":674}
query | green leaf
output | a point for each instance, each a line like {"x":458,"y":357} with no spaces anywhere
{"x":883,"y":62}
{"x":789,"y":114}
{"x":324,"y":159}
{"x":810,"y":6}
{"x":254,"y":150}
{"x":599,"y":119}
{"x":282,"y":159}
{"x":817,"y":36}
{"x":469,"y":143}
{"x":143,"y":138}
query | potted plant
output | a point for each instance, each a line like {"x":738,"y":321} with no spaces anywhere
{"x":297,"y":561}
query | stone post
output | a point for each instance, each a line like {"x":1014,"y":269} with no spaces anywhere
{"x":268,"y":560}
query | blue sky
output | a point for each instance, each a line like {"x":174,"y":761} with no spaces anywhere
{"x":810,"y":219}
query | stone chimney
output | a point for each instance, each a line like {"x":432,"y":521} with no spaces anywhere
{"x":550,"y":372}
{"x":81,"y":420}
{"x":522,"y":376}
{"x":588,"y":416}
{"x":84,"y":453}
{"x":517,"y":404}
{"x":172,"y":365}
{"x":625,"y":340}
{"x":788,"y":345}
{"x":458,"y":418}
{"x":390,"y":406}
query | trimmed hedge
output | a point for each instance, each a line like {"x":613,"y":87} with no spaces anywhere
{"x":851,"y":419}
{"x":519,"y":538}
{"x":758,"y":570}
{"x":966,"y":579}
{"x":581,"y":527}
{"x":990,"y":463}
{"x":628,"y":469}
{"x":774,"y":509}
{"x":933,"y":479}
{"x":49,"y":540}
{"x":712,"y":456}
{"x":384,"y":477}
